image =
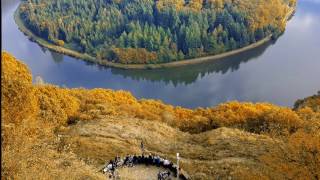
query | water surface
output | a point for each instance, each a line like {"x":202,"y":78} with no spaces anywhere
{"x":278,"y":72}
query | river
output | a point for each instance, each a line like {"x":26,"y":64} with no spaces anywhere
{"x":278,"y":72}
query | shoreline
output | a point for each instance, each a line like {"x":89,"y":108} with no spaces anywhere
{"x":89,"y":58}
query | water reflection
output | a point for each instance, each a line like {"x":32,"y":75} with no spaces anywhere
{"x":189,"y":74}
{"x":6,"y":5}
{"x":57,"y":57}
{"x":278,"y":72}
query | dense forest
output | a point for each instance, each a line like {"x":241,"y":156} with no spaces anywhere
{"x":149,"y":31}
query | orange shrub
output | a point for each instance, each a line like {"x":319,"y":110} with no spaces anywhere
{"x":257,"y":118}
{"x":59,"y":42}
{"x":305,"y":148}
{"x":57,"y":106}
{"x":312,"y":102}
{"x":134,"y":55}
{"x":279,"y":122}
{"x":62,"y":105}
{"x":235,"y":113}
{"x":18,"y":101}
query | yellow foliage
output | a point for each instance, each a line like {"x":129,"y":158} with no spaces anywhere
{"x":312,"y":102}
{"x":59,"y":42}
{"x":305,"y":147}
{"x":308,"y":114}
{"x":257,"y":118}
{"x":232,"y":113}
{"x":134,"y":55}
{"x":96,"y":102}
{"x":292,"y":3}
{"x":18,"y":101}
{"x":299,"y":158}
{"x":264,"y":12}
{"x":177,"y":4}
{"x":32,"y":111}
{"x":260,"y":13}
{"x":280,"y":122}
{"x":217,"y":4}
{"x":59,"y":106}
{"x":56,"y":104}
{"x":195,"y":5}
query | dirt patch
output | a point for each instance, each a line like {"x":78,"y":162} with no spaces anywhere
{"x":140,"y":172}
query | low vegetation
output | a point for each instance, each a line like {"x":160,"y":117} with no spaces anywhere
{"x":150,"y":31}
{"x":50,"y":132}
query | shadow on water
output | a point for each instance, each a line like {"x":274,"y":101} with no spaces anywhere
{"x":57,"y":57}
{"x":177,"y":75}
{"x":189,"y":74}
{"x":293,"y":61}
{"x":184,"y":74}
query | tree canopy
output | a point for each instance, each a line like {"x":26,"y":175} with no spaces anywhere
{"x":149,"y":31}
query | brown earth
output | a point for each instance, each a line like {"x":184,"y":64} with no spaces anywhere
{"x":50,"y":132}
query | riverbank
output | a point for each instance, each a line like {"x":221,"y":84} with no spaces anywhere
{"x":89,"y":58}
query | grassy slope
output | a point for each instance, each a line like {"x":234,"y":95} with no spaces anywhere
{"x":70,"y":133}
{"x":216,"y":153}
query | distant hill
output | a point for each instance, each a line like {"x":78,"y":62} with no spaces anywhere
{"x":152,"y":32}
{"x":312,"y":102}
{"x":50,"y":132}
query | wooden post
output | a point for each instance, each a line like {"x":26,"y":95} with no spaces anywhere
{"x":142,"y":147}
{"x":178,"y":158}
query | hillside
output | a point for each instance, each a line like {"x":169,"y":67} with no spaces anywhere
{"x":59,"y":133}
{"x":153,"y":32}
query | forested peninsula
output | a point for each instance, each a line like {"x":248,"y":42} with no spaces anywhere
{"x":149,"y":32}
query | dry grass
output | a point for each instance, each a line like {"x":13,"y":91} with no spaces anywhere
{"x":68,"y":133}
